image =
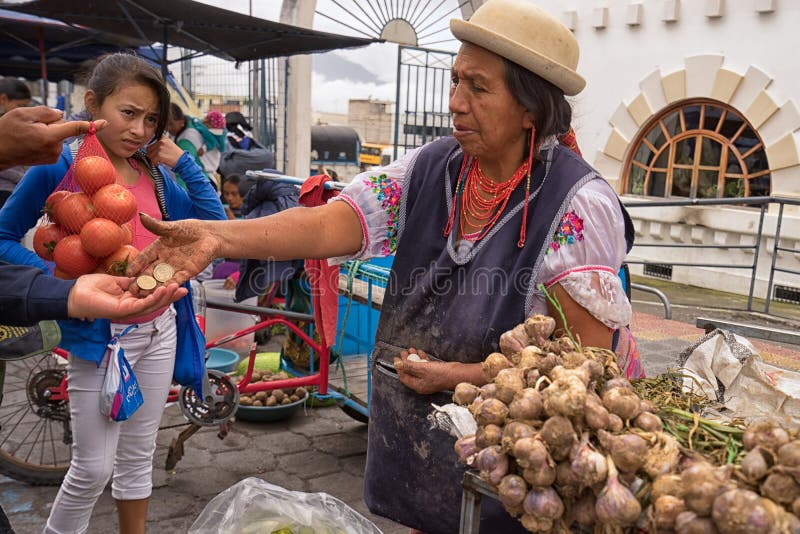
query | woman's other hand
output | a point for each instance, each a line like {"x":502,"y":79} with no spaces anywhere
{"x":416,"y":371}
{"x":164,"y":151}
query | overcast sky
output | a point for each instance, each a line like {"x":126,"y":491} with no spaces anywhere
{"x":340,"y":75}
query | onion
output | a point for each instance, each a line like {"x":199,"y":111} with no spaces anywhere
{"x":544,"y":503}
{"x":565,"y":396}
{"x":766,"y":434}
{"x":558,"y":434}
{"x":628,"y":451}
{"x":669,"y":484}
{"x":690,"y":523}
{"x":493,"y":464}
{"x":780,"y":487}
{"x":542,"y":476}
{"x":530,"y":452}
{"x":583,"y":510}
{"x":616,"y":505}
{"x":789,"y":454}
{"x":565,"y":343}
{"x":492,"y":412}
{"x":755,"y":465}
{"x":648,"y":422}
{"x":488,"y":435}
{"x":532,"y":377}
{"x":663,"y":455}
{"x":615,"y":423}
{"x":622,"y":402}
{"x":509,"y":383}
{"x":590,"y":466}
{"x":527,"y":405}
{"x":593,"y":369}
{"x":465,"y":393}
{"x":548,"y":363}
{"x":665,"y":510}
{"x":796,"y":506}
{"x":740,"y":511}
{"x":466,"y":449}
{"x":493,"y":364}
{"x":536,"y":524}
{"x":572,"y":359}
{"x":618,"y":382}
{"x":566,"y":480}
{"x":561,"y":371}
{"x":702,"y":483}
{"x":540,"y":327}
{"x":514,"y":431}
{"x":512,"y":490}
{"x":528,"y":358}
{"x":595,"y":413}
{"x":488,"y":391}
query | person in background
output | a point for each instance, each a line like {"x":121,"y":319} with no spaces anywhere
{"x":233,"y":195}
{"x":508,"y":193}
{"x":240,"y":133}
{"x":13,"y":94}
{"x":187,"y":137}
{"x":213,"y":129}
{"x":130,"y":96}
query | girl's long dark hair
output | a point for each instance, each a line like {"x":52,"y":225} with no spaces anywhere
{"x":114,"y":70}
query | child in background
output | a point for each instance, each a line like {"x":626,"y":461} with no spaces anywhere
{"x":130,"y":95}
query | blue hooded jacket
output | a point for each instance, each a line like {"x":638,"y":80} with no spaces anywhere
{"x":88,"y":339}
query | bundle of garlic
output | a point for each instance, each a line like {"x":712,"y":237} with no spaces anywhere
{"x":567,"y":442}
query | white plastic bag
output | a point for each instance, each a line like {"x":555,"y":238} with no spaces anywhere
{"x":254,"y":506}
{"x":729,"y":369}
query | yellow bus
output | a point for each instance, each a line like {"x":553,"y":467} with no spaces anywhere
{"x":370,"y":154}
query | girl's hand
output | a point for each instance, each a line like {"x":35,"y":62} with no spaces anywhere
{"x":164,"y":151}
{"x":421,"y":374}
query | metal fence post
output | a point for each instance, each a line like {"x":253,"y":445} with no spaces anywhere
{"x":755,"y":256}
{"x":775,"y":247}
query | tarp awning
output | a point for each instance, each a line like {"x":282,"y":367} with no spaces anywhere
{"x":189,"y":24}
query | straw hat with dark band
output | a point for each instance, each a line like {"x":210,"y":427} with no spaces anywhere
{"x":523,"y":33}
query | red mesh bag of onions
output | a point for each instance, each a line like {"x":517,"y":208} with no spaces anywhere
{"x":87,"y":228}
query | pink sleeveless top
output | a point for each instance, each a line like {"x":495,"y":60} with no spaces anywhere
{"x":146,"y":202}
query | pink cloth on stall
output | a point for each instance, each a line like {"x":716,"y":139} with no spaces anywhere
{"x":324,"y":278}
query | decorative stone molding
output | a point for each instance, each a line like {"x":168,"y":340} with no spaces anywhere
{"x":670,"y":10}
{"x":714,"y":8}
{"x":705,"y":76}
{"x":570,"y":19}
{"x":600,"y":18}
{"x":634,"y":14}
{"x":766,"y":6}
{"x":674,"y":86}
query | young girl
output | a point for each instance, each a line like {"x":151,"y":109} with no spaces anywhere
{"x":129,"y":94}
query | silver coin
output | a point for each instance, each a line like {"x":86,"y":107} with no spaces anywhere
{"x":146,"y":282}
{"x":163,"y":272}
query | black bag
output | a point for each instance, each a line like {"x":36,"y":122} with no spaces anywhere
{"x":18,"y":342}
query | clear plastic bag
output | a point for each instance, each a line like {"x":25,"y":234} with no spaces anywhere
{"x":254,"y":506}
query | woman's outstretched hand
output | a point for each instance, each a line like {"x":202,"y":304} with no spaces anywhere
{"x":187,"y":245}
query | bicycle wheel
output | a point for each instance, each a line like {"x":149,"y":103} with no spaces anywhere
{"x":35,"y":432}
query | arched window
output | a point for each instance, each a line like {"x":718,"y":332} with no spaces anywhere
{"x":697,"y":148}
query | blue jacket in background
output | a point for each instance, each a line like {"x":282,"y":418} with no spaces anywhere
{"x":88,"y":339}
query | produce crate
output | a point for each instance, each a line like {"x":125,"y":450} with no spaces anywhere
{"x":364,"y":295}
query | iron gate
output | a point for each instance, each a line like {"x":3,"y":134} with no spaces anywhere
{"x":423,"y":95}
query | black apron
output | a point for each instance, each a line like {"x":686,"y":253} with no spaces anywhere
{"x":453,"y":304}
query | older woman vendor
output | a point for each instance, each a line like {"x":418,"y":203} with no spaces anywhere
{"x":479,"y":223}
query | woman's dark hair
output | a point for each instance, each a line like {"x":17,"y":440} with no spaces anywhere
{"x":14,"y":89}
{"x":552,"y":113}
{"x":176,"y":112}
{"x":114,"y":70}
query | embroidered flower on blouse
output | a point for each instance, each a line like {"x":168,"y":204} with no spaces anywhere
{"x":569,"y":230}
{"x":388,"y":193}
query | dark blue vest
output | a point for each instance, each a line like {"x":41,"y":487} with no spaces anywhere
{"x":453,"y":304}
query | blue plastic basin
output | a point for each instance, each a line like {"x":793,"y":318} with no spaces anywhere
{"x":222,"y":360}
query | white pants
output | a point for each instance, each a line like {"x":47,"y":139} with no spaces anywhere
{"x":102,"y":447}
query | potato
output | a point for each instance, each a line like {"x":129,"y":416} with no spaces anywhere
{"x":271,"y":401}
{"x":286,"y":400}
{"x":294,"y":398}
{"x":300,"y":392}
{"x":261,"y":395}
{"x":258,"y":403}
{"x":245,"y":400}
{"x":256,"y":376}
{"x":279,"y":395}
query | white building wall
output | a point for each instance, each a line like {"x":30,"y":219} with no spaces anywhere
{"x":640,"y":55}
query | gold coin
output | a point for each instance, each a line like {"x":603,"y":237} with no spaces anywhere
{"x":146,"y":282}
{"x":163,"y":272}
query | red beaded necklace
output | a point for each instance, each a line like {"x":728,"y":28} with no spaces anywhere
{"x":475,"y":209}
